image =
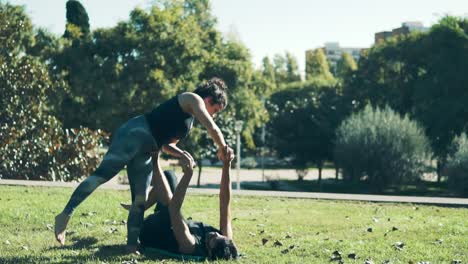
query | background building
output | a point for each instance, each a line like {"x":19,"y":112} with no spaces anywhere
{"x":333,"y":52}
{"x":406,"y":28}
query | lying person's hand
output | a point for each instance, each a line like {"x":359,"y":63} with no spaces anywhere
{"x":187,"y":162}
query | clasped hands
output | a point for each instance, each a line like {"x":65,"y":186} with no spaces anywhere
{"x":225,"y":154}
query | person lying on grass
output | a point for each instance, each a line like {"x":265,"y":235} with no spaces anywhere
{"x":168,"y":230}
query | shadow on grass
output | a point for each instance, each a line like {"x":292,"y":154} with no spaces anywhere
{"x":421,"y":188}
{"x":27,"y":259}
{"x":80,"y":243}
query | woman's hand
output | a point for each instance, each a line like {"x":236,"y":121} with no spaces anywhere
{"x":187,"y":162}
{"x":228,"y":154}
{"x":225,"y":152}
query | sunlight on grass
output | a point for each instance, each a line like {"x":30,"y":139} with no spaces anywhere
{"x":267,"y":230}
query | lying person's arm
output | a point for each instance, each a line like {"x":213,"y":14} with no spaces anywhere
{"x":225,"y":196}
{"x":184,"y":238}
{"x":161,"y":192}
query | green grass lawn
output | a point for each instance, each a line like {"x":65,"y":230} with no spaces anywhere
{"x":295,"y":230}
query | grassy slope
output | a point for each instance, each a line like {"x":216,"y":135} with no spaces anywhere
{"x":315,"y":228}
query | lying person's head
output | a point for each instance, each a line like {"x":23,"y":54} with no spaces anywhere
{"x":220,"y":247}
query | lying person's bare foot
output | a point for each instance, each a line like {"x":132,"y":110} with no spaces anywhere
{"x":126,"y":206}
{"x":61,"y":221}
{"x":132,"y":250}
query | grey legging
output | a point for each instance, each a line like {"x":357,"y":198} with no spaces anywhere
{"x":131,"y":145}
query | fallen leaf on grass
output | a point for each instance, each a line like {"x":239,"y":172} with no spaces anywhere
{"x":285,"y":251}
{"x":394,"y":229}
{"x":369,"y":230}
{"x":252,"y":234}
{"x":375,"y":219}
{"x":110,"y":222}
{"x":336,"y":255}
{"x":352,"y":256}
{"x":438,"y":241}
{"x":112,"y":230}
{"x":399,"y":245}
{"x":123,"y":222}
{"x":49,"y":226}
{"x":25,"y":247}
{"x":424,"y":262}
{"x":86,"y":224}
{"x":88,"y":214}
{"x":369,"y":261}
{"x":264,"y":241}
{"x":7,"y":242}
{"x":292,"y":246}
{"x":288,"y":236}
{"x":278,"y":243}
{"x":456,"y":261}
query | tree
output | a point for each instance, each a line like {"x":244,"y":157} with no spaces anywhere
{"x":422,"y":74}
{"x":317,"y":65}
{"x":33,"y":144}
{"x":286,"y":69}
{"x":382,"y":147}
{"x":303,"y":119}
{"x":345,"y":65}
{"x":77,"y":21}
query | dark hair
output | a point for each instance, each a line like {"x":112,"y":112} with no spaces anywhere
{"x":216,"y":88}
{"x":224,"y":249}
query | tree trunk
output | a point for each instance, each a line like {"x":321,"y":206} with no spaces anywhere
{"x":199,"y":172}
{"x":320,"y":174}
{"x":439,"y":170}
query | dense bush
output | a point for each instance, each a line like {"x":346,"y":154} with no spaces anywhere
{"x":457,"y":166}
{"x":33,"y":144}
{"x":380,"y":146}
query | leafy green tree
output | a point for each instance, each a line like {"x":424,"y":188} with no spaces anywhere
{"x":77,"y":20}
{"x":303,"y":120}
{"x":286,"y":69}
{"x":457,"y":165}
{"x":33,"y":144}
{"x":382,"y":147}
{"x":345,"y":65}
{"x":317,"y":65}
{"x":422,"y":74}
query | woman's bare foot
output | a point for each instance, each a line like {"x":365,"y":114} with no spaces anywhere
{"x":61,"y":221}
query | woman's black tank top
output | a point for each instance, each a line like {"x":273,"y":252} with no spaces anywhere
{"x":168,"y":121}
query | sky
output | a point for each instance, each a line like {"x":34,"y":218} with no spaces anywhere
{"x":269,"y":27}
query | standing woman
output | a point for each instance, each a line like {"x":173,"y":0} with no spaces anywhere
{"x":134,"y":141}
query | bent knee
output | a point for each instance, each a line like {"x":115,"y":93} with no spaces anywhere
{"x":139,"y":202}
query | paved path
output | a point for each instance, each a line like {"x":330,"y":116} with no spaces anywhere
{"x":306,"y":195}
